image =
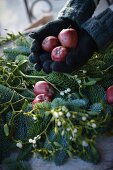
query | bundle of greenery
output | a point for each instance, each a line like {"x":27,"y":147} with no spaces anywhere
{"x":57,"y":127}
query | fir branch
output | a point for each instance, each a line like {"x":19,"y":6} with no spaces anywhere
{"x":9,"y":37}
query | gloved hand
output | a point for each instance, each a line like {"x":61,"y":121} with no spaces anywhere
{"x":74,"y":13}
{"x":40,"y":57}
{"x":78,"y":56}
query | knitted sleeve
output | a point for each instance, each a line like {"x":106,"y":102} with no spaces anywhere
{"x":101,"y":28}
{"x":78,"y":10}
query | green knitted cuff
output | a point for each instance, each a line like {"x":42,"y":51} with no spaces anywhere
{"x":101,"y":28}
{"x":78,"y":10}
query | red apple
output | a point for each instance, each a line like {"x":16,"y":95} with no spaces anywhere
{"x":41,"y":98}
{"x":42,"y":87}
{"x":49,"y":43}
{"x":68,"y":38}
{"x":109,"y":95}
{"x":59,"y":53}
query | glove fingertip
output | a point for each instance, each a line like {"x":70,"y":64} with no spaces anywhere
{"x":62,"y":67}
{"x":36,"y":47}
{"x":38,"y":67}
{"x":44,"y":57}
{"x":47,"y":66}
{"x":33,"y":35}
{"x":33,"y":58}
{"x":58,"y":67}
{"x":70,"y":58}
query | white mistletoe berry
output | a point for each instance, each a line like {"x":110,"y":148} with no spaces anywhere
{"x":30,"y":140}
{"x":68,"y":129}
{"x":34,"y":118}
{"x":34,"y":141}
{"x":75,"y":130}
{"x":94,"y":125}
{"x":79,"y":81}
{"x":84,"y":143}
{"x":59,"y":123}
{"x":60,"y":113}
{"x":68,"y":114}
{"x":62,"y":93}
{"x":71,"y":138}
{"x":68,"y":90}
{"x":84,"y":118}
{"x":19,"y":145}
{"x":73,"y":116}
{"x":56,"y":115}
{"x":84,"y":71}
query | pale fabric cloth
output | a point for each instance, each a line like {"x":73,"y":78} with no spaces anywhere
{"x":105,"y":146}
{"x":111,"y":7}
{"x":103,"y":5}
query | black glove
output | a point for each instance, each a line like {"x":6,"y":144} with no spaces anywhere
{"x":78,"y":56}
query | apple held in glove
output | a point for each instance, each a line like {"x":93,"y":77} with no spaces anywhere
{"x":42,"y":87}
{"x":68,"y":38}
{"x":49,"y":43}
{"x":59,"y":53}
{"x":109,"y":95}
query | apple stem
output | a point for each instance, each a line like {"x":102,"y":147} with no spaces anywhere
{"x":69,"y":26}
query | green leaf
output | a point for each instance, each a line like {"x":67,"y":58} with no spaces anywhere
{"x":70,"y":154}
{"x":57,"y":144}
{"x":22,"y":62}
{"x":96,"y":79}
{"x":20,"y":58}
{"x":10,"y":65}
{"x":6,"y":130}
{"x":90,"y":83}
{"x":92,"y":113}
{"x":63,"y":132}
{"x":56,"y":130}
{"x":25,"y":104}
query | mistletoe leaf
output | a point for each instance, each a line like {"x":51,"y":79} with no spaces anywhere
{"x":6,"y":130}
{"x":25,"y":104}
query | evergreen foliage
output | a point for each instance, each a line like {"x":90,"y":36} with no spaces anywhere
{"x":62,"y":128}
{"x":11,"y":53}
{"x":62,"y":80}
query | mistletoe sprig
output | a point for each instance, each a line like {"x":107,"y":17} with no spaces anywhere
{"x":66,"y":127}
